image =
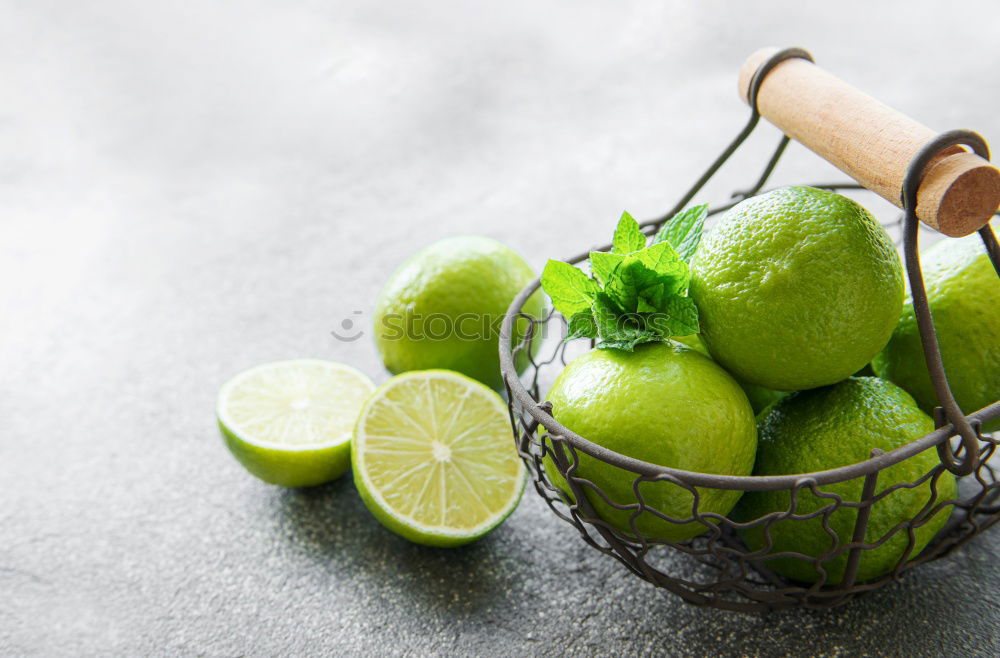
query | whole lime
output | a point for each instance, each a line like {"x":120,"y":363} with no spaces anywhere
{"x":443,"y":307}
{"x":666,"y":404}
{"x":796,"y":288}
{"x":835,"y":426}
{"x":759,"y":396}
{"x":964,"y":295}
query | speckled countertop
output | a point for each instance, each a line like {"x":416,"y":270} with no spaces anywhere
{"x":188,"y":189}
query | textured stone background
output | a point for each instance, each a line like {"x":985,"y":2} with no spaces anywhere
{"x":188,"y":189}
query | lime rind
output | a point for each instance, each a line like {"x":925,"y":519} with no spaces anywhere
{"x":298,"y":467}
{"x":405,"y":525}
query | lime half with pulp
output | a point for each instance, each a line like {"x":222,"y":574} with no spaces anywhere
{"x":290,"y":422}
{"x":433,"y":458}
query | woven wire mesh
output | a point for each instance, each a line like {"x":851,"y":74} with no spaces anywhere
{"x":717,"y":568}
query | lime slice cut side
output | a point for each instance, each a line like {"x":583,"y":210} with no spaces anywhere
{"x":433,"y":458}
{"x":290,"y":422}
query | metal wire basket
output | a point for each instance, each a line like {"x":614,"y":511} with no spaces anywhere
{"x":717,"y":569}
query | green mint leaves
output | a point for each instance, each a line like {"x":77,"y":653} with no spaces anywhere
{"x":683,"y":230}
{"x":638,"y":294}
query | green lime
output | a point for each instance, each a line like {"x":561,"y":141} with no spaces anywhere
{"x":666,"y":404}
{"x":796,"y":288}
{"x":290,"y":422}
{"x":695,"y":342}
{"x":834,"y":426}
{"x":443,"y":308}
{"x":964,"y":295}
{"x":434,"y":460}
{"x":759,"y":396}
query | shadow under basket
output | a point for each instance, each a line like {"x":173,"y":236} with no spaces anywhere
{"x":716,"y":568}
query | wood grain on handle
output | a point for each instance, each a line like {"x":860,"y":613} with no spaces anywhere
{"x":873,"y":144}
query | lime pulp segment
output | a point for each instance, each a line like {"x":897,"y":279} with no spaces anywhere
{"x":304,"y":402}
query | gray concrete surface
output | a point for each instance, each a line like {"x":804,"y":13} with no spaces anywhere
{"x":188,"y":189}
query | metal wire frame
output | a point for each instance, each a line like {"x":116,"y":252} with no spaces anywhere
{"x":729,"y":575}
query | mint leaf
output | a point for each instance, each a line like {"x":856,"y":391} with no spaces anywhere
{"x":645,"y":307}
{"x":602,"y":264}
{"x":629,"y":281}
{"x":582,"y":325}
{"x":629,"y":344}
{"x":683,"y":231}
{"x":626,"y":338}
{"x":661,"y":255}
{"x":617,"y":329}
{"x":658,"y":296}
{"x":649,"y":275}
{"x":628,"y":237}
{"x":571,"y":290}
{"x":668,"y":265}
{"x":678,"y":316}
{"x":606,"y":313}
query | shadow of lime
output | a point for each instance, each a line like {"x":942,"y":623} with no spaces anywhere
{"x":331,"y":526}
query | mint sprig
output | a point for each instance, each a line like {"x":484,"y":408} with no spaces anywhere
{"x":638,"y":293}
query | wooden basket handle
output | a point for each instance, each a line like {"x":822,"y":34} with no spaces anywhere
{"x":873,"y":143}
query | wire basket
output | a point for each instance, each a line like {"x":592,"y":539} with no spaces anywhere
{"x":716,"y":568}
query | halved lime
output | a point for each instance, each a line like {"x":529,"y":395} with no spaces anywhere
{"x":434,"y":460}
{"x":290,"y":422}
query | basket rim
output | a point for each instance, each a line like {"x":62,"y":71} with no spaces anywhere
{"x":711,"y":480}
